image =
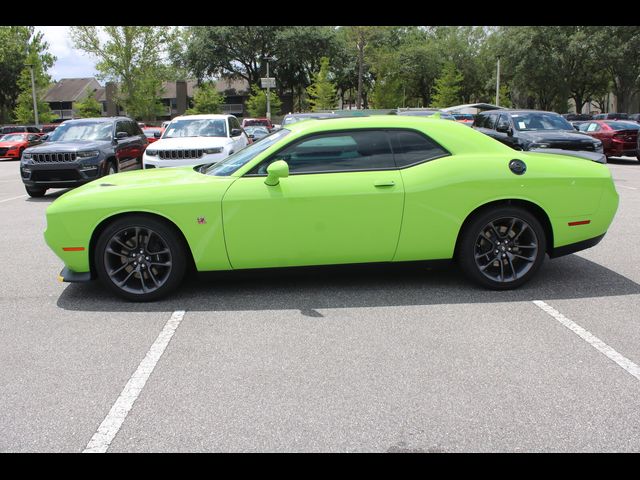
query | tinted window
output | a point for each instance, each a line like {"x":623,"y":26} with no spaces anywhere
{"x":33,"y":130}
{"x":234,"y":123}
{"x":337,"y":152}
{"x":487,"y":121}
{"x":540,"y":121}
{"x":122,"y":127}
{"x":623,"y":125}
{"x":503,"y":121}
{"x":410,"y":148}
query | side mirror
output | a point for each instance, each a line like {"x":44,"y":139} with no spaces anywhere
{"x":503,"y":128}
{"x":121,"y":135}
{"x":157,"y":134}
{"x":277,"y":170}
{"x":235,"y":132}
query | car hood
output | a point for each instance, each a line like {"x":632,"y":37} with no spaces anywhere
{"x":51,"y":147}
{"x":555,"y":136}
{"x":190,"y":142}
{"x":10,"y":144}
{"x":146,"y":189}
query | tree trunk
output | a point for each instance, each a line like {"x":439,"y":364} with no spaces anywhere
{"x":360,"y":70}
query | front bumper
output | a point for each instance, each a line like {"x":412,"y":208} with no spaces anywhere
{"x":58,"y":175}
{"x":156,"y":162}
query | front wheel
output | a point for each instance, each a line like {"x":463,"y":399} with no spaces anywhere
{"x":502,"y":248}
{"x":140,"y":258}
{"x":35,"y":192}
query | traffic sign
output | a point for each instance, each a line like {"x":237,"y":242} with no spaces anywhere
{"x":269,"y":82}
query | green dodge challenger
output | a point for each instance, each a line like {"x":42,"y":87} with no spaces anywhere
{"x":337,"y":191}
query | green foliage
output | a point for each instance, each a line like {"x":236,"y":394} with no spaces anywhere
{"x":88,"y":107}
{"x":133,"y":57}
{"x":41,"y":60}
{"x":448,"y":87}
{"x":257,"y":103}
{"x":206,"y":99}
{"x":322,"y":92}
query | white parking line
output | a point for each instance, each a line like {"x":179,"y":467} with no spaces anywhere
{"x":12,"y":198}
{"x":110,"y":426}
{"x":591,"y":339}
{"x":624,"y":186}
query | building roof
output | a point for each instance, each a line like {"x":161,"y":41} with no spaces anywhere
{"x":71,"y":89}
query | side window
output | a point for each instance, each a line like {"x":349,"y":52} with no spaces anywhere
{"x":32,"y":138}
{"x":336,"y":152}
{"x":593,"y":127}
{"x":503,"y":121}
{"x":233,"y":123}
{"x":32,"y":129}
{"x":121,"y":127}
{"x":134,"y":129}
{"x":490,"y":121}
{"x":479,"y":121}
{"x":410,"y":148}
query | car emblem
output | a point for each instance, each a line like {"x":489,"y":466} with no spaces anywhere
{"x":202,"y":220}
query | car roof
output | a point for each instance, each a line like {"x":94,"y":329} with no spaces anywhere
{"x":204,"y":116}
{"x":519,"y":110}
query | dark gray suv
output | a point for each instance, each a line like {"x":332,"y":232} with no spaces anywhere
{"x":79,"y":151}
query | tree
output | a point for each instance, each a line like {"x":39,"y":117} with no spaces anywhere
{"x":40,"y":60}
{"x":206,"y":99}
{"x":322,"y":92}
{"x":448,"y":87}
{"x":131,"y":56}
{"x":257,"y":102}
{"x":88,"y":107}
{"x":360,"y":37}
{"x":13,"y":53}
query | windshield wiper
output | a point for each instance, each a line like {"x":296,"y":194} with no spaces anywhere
{"x":203,"y":167}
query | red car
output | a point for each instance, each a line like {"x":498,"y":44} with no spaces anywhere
{"x":619,"y":138}
{"x":13,"y":144}
{"x":464,"y":118}
{"x":150,"y":133}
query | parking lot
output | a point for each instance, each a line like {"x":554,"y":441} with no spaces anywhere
{"x":401,"y":359}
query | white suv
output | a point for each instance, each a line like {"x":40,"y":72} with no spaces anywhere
{"x":196,"y":139}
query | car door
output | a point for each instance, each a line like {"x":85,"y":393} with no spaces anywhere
{"x":342,"y":203}
{"x":239,"y":141}
{"x":125,"y":147}
{"x":504,"y":131}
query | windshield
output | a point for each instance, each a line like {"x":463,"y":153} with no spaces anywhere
{"x":13,"y":137}
{"x":233,"y":162}
{"x":197,"y":127}
{"x":69,"y":132}
{"x":253,"y":130}
{"x":526,"y":122}
{"x":463,"y":116}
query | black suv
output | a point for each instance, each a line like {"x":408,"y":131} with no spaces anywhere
{"x":534,"y":129}
{"x":82,"y":150}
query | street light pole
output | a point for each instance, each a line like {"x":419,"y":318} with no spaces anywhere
{"x":33,"y":92}
{"x":498,"y":83}
{"x":268,"y":92}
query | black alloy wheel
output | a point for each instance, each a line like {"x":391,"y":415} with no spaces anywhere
{"x":140,"y":258}
{"x":502,"y":248}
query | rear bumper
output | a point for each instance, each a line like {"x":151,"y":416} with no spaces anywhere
{"x":68,"y":275}
{"x":575,"y":247}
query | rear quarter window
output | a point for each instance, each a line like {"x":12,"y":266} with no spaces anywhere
{"x":411,"y":148}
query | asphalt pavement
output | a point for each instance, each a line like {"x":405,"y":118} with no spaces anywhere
{"x":363,"y":359}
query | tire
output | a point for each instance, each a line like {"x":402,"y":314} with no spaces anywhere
{"x":638,"y":157}
{"x":36,"y":192}
{"x":111,"y":168}
{"x":146,"y":276}
{"x":516,"y":233}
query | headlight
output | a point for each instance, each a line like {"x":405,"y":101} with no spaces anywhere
{"x":539,"y":145}
{"x":13,"y":148}
{"x":27,"y":156}
{"x":89,"y":154}
{"x":213,"y":150}
{"x":151,"y":153}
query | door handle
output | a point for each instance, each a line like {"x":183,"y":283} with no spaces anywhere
{"x":382,"y":183}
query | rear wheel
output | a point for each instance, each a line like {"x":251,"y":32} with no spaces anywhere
{"x":140,"y":258}
{"x":502,"y":248}
{"x":111,"y":168}
{"x":36,"y":191}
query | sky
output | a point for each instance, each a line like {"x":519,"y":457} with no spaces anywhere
{"x":71,"y":63}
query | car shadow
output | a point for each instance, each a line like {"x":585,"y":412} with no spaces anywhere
{"x":310,"y":289}
{"x":49,"y":197}
{"x":623,"y":161}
